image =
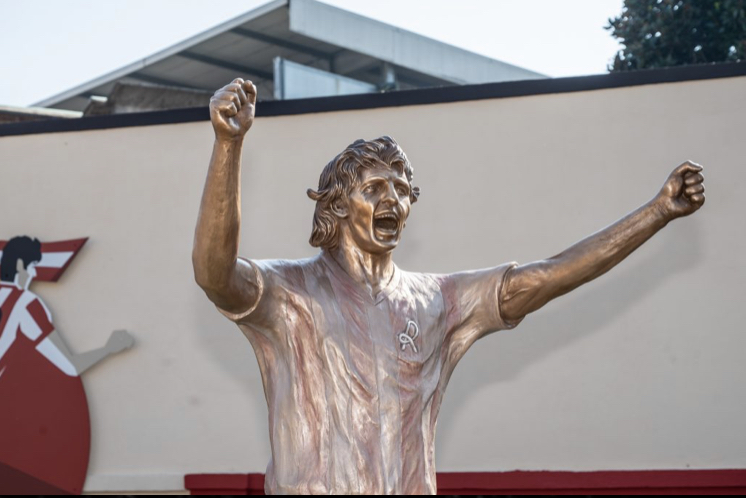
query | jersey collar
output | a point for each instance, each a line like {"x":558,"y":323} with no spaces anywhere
{"x":349,"y":283}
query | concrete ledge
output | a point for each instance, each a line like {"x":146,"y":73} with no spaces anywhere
{"x":645,"y":482}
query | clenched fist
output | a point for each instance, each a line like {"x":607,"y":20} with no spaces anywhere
{"x":683,"y":193}
{"x":232,"y":109}
{"x":119,"y":341}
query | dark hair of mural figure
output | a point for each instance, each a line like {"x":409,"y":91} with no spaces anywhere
{"x":23,"y":247}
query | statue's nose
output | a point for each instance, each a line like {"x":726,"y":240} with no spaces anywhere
{"x":389,"y":196}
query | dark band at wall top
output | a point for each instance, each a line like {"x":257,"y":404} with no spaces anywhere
{"x":435,"y":95}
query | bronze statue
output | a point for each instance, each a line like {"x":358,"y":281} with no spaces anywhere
{"x":355,"y":353}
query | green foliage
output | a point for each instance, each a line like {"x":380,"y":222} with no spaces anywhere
{"x":661,"y":33}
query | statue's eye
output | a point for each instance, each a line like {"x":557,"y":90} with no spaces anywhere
{"x":370,"y":189}
{"x":403,"y":191}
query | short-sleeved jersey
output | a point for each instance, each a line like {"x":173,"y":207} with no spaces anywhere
{"x":354,"y":384}
{"x":21,"y":311}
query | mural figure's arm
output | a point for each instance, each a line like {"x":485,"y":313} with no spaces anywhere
{"x":53,"y":347}
{"x":531,"y":286}
{"x":229,"y":282}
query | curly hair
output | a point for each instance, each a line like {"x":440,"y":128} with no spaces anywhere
{"x":342,"y":174}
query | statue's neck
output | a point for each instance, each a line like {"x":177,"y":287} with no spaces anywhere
{"x":371,"y":271}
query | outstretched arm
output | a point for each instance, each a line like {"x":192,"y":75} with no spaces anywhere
{"x":217,"y":269}
{"x":531,"y":286}
{"x":56,"y":351}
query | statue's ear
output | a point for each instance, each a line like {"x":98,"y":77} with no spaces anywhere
{"x":20,"y":267}
{"x":339,"y":208}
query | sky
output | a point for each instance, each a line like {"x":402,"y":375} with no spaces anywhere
{"x":49,"y":46}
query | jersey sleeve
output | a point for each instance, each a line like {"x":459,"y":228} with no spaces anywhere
{"x":273,"y":281}
{"x":472,"y":304}
{"x":36,"y":322}
{"x":256,"y":276}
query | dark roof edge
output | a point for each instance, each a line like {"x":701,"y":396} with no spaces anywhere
{"x":401,"y":98}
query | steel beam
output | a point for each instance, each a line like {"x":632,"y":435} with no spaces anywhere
{"x":226,"y":64}
{"x":272,"y":40}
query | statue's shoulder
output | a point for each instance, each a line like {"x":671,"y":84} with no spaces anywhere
{"x":287,"y":268}
{"x":429,"y":281}
{"x":283,"y":263}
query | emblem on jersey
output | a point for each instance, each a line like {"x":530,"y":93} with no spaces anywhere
{"x":407,"y":337}
{"x":44,"y":421}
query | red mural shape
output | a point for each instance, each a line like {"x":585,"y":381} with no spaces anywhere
{"x":44,"y":422}
{"x":44,"y":425}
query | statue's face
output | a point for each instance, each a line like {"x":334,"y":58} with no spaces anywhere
{"x":376,"y":210}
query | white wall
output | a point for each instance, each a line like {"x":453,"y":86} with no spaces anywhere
{"x":642,"y":369}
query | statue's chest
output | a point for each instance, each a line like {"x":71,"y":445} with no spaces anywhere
{"x":390,"y":348}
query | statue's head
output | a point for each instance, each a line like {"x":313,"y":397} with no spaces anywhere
{"x":364,"y":194}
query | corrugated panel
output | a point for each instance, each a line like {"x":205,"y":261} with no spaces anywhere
{"x":349,"y":62}
{"x":164,"y":67}
{"x":267,"y":21}
{"x":248,"y":51}
{"x":282,"y":31}
{"x":220,"y":44}
{"x":102,"y":90}
{"x":197,"y":75}
{"x":73,"y":104}
{"x":179,"y":71}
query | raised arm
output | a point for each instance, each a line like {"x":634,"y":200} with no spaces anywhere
{"x":531,"y":286}
{"x":227,"y":281}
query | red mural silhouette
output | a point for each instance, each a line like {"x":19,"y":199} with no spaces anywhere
{"x":44,"y":421}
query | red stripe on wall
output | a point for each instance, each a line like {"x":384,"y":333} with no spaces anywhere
{"x":73,"y":245}
{"x":54,"y":274}
{"x":224,"y":484}
{"x":40,"y":317}
{"x":615,"y":482}
{"x":48,"y":274}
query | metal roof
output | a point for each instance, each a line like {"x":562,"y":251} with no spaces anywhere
{"x":306,"y":32}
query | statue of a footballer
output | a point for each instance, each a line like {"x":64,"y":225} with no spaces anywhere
{"x":355,"y":353}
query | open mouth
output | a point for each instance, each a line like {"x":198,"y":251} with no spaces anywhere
{"x":387,"y":223}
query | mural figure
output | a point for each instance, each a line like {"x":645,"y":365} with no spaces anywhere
{"x":44,"y":423}
{"x":355,"y":353}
